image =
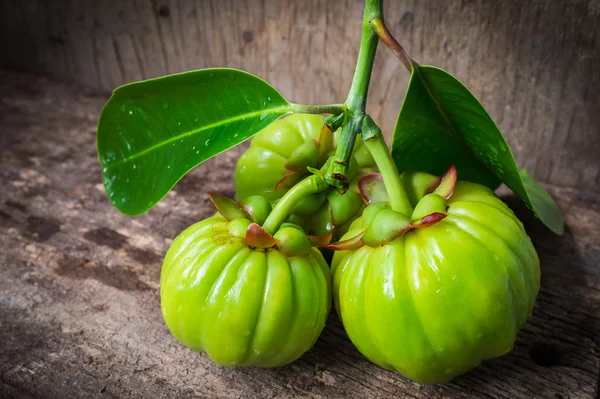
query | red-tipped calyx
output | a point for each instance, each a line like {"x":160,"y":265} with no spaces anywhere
{"x":372,"y":189}
{"x":446,"y":187}
{"x":326,"y":144}
{"x":288,"y":180}
{"x":320,"y":241}
{"x":350,"y":243}
{"x":227,"y":207}
{"x":428,"y":220}
{"x":385,"y":227}
{"x":258,"y":237}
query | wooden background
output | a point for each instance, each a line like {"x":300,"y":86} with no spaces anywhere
{"x":79,"y":303}
{"x":534,"y":64}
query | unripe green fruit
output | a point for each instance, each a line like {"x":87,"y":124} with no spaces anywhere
{"x":279,"y":157}
{"x":438,"y":300}
{"x":344,"y":207}
{"x":237,"y":227}
{"x":310,"y":204}
{"x":257,"y":207}
{"x":303,"y":156}
{"x":242,"y":306}
{"x":292,"y":242}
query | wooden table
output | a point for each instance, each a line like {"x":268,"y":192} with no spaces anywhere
{"x":79,"y":302}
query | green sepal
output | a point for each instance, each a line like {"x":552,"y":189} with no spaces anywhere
{"x":417,"y":184}
{"x":227,"y":207}
{"x":431,"y":203}
{"x":386,"y":226}
{"x":372,"y":210}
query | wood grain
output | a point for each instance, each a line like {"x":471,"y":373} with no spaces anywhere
{"x":79,"y":299}
{"x":533,"y":64}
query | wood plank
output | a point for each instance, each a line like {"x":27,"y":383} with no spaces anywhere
{"x":79,"y":299}
{"x":533,"y":64}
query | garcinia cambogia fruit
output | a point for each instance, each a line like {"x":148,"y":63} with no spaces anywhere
{"x":432,"y":294}
{"x":280,"y":155}
{"x":241,"y":295}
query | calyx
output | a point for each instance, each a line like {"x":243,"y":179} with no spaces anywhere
{"x":383,"y":225}
{"x":244,"y":223}
{"x":309,"y":155}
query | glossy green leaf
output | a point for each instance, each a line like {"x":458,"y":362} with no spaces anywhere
{"x":441,"y":123}
{"x":543,"y":204}
{"x":151,"y":133}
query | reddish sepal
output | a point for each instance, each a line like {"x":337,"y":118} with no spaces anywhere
{"x":258,"y":237}
{"x":372,"y":189}
{"x":427,"y":221}
{"x":325,"y":141}
{"x":227,"y":207}
{"x":350,"y":243}
{"x":287,"y":181}
{"x":320,"y":241}
{"x":446,"y":187}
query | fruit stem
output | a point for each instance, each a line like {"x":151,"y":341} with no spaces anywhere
{"x":391,"y":178}
{"x":311,"y":185}
{"x":357,"y":97}
{"x":334,"y":109}
{"x":390,"y":41}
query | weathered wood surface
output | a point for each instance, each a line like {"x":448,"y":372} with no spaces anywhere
{"x":79,"y":299}
{"x":532,"y":63}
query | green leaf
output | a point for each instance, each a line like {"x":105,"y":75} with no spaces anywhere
{"x":441,"y":123}
{"x":151,"y":133}
{"x":542,"y":203}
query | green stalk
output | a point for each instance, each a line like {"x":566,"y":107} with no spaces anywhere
{"x":319,"y":109}
{"x":391,"y":178}
{"x":311,"y":185}
{"x":356,"y":119}
{"x":357,"y":97}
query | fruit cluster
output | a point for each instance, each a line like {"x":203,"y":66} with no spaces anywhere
{"x":430,"y":293}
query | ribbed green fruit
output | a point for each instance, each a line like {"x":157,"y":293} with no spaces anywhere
{"x":436,"y":301}
{"x":242,"y":306}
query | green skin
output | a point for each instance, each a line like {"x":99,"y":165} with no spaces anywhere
{"x":242,"y":306}
{"x":262,"y":166}
{"x":435,"y":302}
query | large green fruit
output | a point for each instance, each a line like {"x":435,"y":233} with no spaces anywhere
{"x":436,"y":301}
{"x":279,"y":156}
{"x":244,"y":305}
